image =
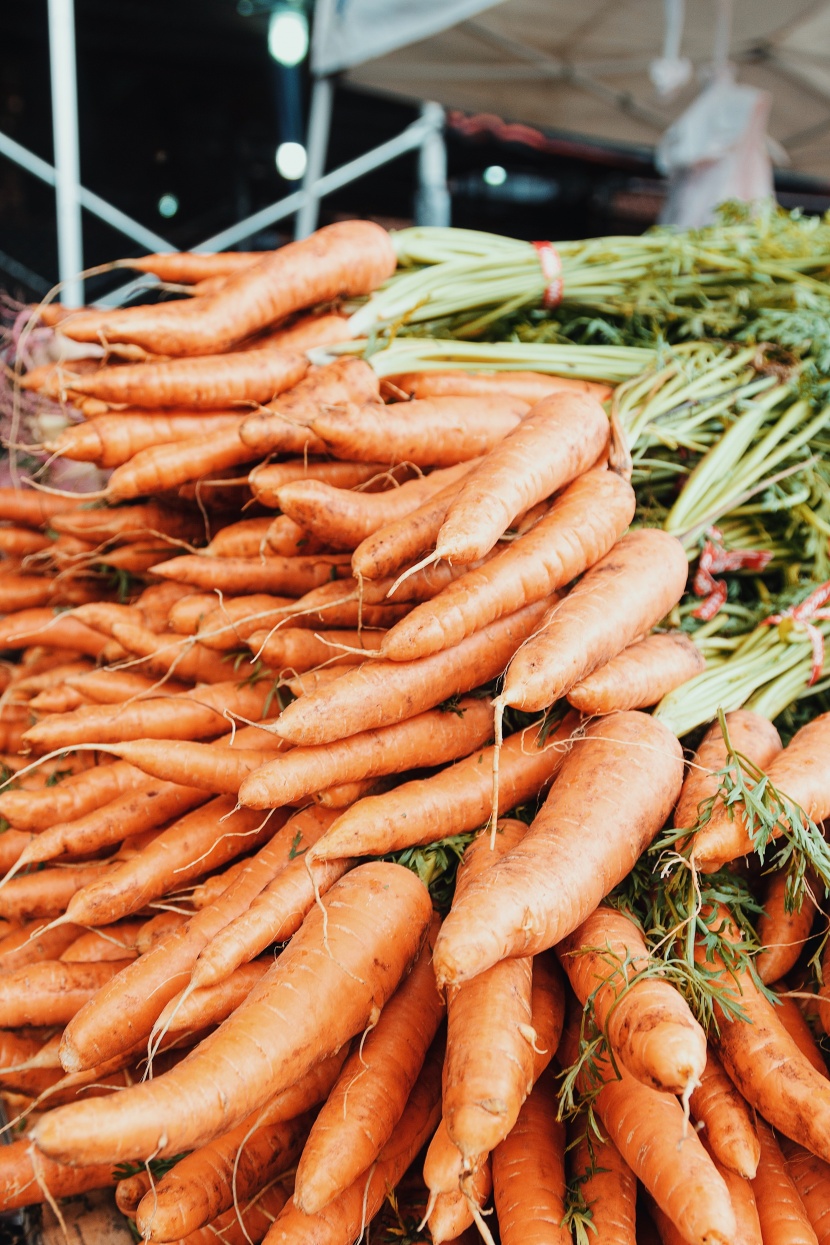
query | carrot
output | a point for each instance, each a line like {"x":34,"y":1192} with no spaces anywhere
{"x":35,"y":941}
{"x":292,"y":576}
{"x":557,"y":441}
{"x":811,"y":1177}
{"x":190,"y":847}
{"x":789,"y":1014}
{"x":743,"y":1201}
{"x":378,"y":915}
{"x":379,"y":693}
{"x":344,"y":794}
{"x":649,"y":1129}
{"x":45,"y":893}
{"x":130,"y":1191}
{"x":370,"y":1094}
{"x":17,"y":1050}
{"x":25,"y":1174}
{"x":343,"y":518}
{"x":440,"y":432}
{"x":189,"y":611}
{"x":344,"y":381}
{"x":297,"y":649}
{"x":529,"y":1173}
{"x":782,"y":934}
{"x":20,"y":592}
{"x":157,"y":600}
{"x":287,"y":538}
{"x":116,"y":942}
{"x":580,"y":529}
{"x":57,"y":700}
{"x":345,"y":1217}
{"x":531,"y":387}
{"x":311,"y":330}
{"x":647,"y":1023}
{"x":431,"y":738}
{"x":161,"y":468}
{"x":112,"y":440}
{"x":212,"y":1004}
{"x":421,"y":585}
{"x":31,"y":508}
{"x":616,"y":601}
{"x":608,"y":1188}
{"x":45,"y":626}
{"x":114,"y":687}
{"x":751,"y":1045}
{"x":73,"y":797}
{"x":726,"y":1118}
{"x":51,"y":991}
{"x":348,"y":258}
{"x":189,"y":267}
{"x":245,"y":539}
{"x":231,"y":624}
{"x":212,"y":1179}
{"x":163,"y":923}
{"x":640,"y":675}
{"x":267,"y":480}
{"x":248,"y":1223}
{"x":126,"y":1011}
{"x":219,"y":767}
{"x":781,"y":1211}
{"x":750,"y":734}
{"x":626,"y":760}
{"x":453,"y":1212}
{"x":19,"y":541}
{"x":198,"y":713}
{"x":55,"y":676}
{"x":798,"y":772}
{"x":456,"y":800}
{"x":128,"y":523}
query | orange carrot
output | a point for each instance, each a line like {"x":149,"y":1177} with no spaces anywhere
{"x":219,"y":767}
{"x":782,"y":933}
{"x":311,"y":330}
{"x":19,"y":592}
{"x":453,"y":801}
{"x":31,"y":508}
{"x":189,"y":267}
{"x":116,"y":942}
{"x":379,"y":693}
{"x":287,"y":538}
{"x":529,"y":1173}
{"x":452,"y":1213}
{"x":25,"y":1175}
{"x":211,"y":1005}
{"x":616,"y":601}
{"x":531,"y":387}
{"x":646,"y":1021}
{"x":438,"y":432}
{"x":726,"y":1118}
{"x":581,"y":527}
{"x":248,"y":1223}
{"x":811,"y":1177}
{"x":161,"y":468}
{"x":750,"y":734}
{"x":640,"y":675}
{"x":781,"y":1211}
{"x":232,"y":622}
{"x":608,"y":1188}
{"x":378,"y":915}
{"x":267,"y":480}
{"x":789,"y":1014}
{"x":431,"y":738}
{"x":45,"y":893}
{"x":245,"y":539}
{"x":557,"y":441}
{"x":346,"y":380}
{"x":35,"y":941}
{"x":51,"y":992}
{"x":114,"y":687}
{"x":297,"y":649}
{"x":19,"y":541}
{"x":128,"y":523}
{"x":276,"y":574}
{"x":348,"y":258}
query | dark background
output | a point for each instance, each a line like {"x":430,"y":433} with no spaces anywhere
{"x":181,"y":97}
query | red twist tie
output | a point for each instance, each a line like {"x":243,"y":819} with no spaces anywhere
{"x":715,"y":559}
{"x":809,"y":609}
{"x":550,"y":262}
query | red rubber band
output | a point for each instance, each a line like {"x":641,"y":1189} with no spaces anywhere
{"x":550,"y":262}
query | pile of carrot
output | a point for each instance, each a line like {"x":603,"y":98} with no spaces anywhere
{"x":318,"y":640}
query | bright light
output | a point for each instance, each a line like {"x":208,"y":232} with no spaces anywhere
{"x":168,"y":205}
{"x":288,"y":36}
{"x":291,"y":161}
{"x":495,"y":175}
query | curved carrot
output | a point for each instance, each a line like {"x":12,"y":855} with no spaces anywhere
{"x":247,"y":1223}
{"x":791,"y":1018}
{"x":297,"y":649}
{"x":25,"y":1175}
{"x":557,"y":441}
{"x":379,"y":693}
{"x":189,"y":267}
{"x":726,"y":1118}
{"x":782,"y":933}
{"x":32,"y":508}
{"x":160,"y":468}
{"x":453,"y":801}
{"x":47,"y":892}
{"x":581,"y":527}
{"x":529,"y":386}
{"x":608,"y":1188}
{"x":452,"y":1213}
{"x":811,"y":1177}
{"x":44,"y":626}
{"x":338,"y":383}
{"x":529,"y":1173}
{"x":749,"y":733}
{"x":615,"y":602}
{"x":33,"y":941}
{"x":130,"y":1191}
{"x":640,"y":675}
{"x":371,"y":1092}
{"x":268,"y":479}
{"x":627,"y":761}
{"x":781,"y":1211}
{"x":51,"y":992}
{"x":70,"y":799}
{"x":648,"y":1024}
{"x":212,"y":1004}
{"x":348,"y":258}
{"x":220,"y":767}
{"x":128,"y":523}
{"x":431,"y":738}
{"x":377,"y":916}
{"x":292,"y":576}
{"x":112,"y":440}
{"x":116,"y":942}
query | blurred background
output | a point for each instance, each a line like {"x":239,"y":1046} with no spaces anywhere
{"x":193,"y":114}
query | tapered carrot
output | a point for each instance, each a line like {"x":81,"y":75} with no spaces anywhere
{"x":781,"y":1211}
{"x":377,"y":916}
{"x":798,"y":772}
{"x":640,"y":675}
{"x":126,"y":1011}
{"x":219,"y":767}
{"x":114,"y":687}
{"x":348,"y":258}
{"x":586,"y":520}
{"x":530,"y":386}
{"x":626,"y":760}
{"x":45,"y":893}
{"x":56,"y":676}
{"x":57,"y":700}
{"x":750,"y":734}
{"x":192,"y":846}
{"x":343,"y":517}
{"x":51,"y":992}
{"x":128,"y":523}
{"x":188,"y":267}
{"x":18,"y":541}
{"x":245,"y":539}
{"x":421,"y":585}
{"x":431,"y":738}
{"x":76,"y":795}
{"x":130,"y":1191}
{"x":370,"y":1095}
{"x":315,"y":329}
{"x":116,"y":942}
{"x":344,"y":794}
{"x":453,"y":801}
{"x":788,"y":1012}
{"x":343,"y":381}
{"x":298,"y":650}
{"x":248,"y":1223}
{"x":112,"y":440}
{"x":217,"y":617}
{"x":46,"y":626}
{"x":26,"y":1176}
{"x":33,"y":941}
{"x":452,"y":1213}
{"x":811,"y":1177}
{"x":782,"y":934}
{"x":726,"y":1118}
{"x":743,"y":1201}
{"x":379,"y":693}
{"x":608,"y":1188}
{"x":343,"y":1219}
{"x":204,"y":1184}
{"x":32,"y":508}
{"x":163,"y":923}
{"x":212,"y":1004}
{"x":292,"y":576}
{"x":616,"y":601}
{"x":287,"y":538}
{"x":267,"y":480}
{"x":529,"y":1173}
{"x":20,"y":592}
{"x":439,"y":432}
{"x":648,"y":1024}
{"x":161,"y":468}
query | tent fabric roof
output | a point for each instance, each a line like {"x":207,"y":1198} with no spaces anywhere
{"x":582,"y":67}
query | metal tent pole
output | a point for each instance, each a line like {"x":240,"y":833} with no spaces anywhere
{"x":432,"y":203}
{"x":318,"y":142}
{"x":65,"y":137}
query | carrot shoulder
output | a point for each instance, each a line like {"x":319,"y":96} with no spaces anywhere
{"x":749,"y":733}
{"x":640,"y":675}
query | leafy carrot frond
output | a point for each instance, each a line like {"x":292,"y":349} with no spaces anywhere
{"x":578,"y":1216}
{"x":436,"y":865}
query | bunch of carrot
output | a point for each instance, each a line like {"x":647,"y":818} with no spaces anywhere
{"x":353,"y":641}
